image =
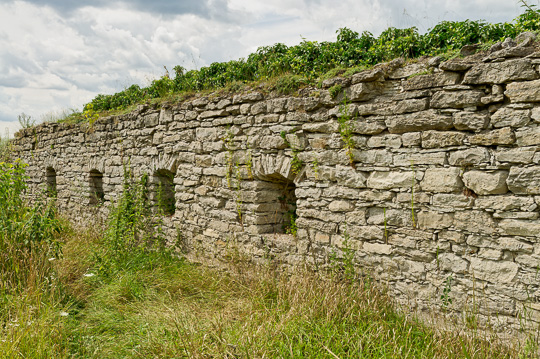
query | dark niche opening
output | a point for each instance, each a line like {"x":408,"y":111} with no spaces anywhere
{"x":277,"y":207}
{"x":97,"y":195}
{"x":50,"y":176}
{"x":162,"y":192}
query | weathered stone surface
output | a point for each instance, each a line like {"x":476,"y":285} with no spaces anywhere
{"x":469,"y":157}
{"x":363,"y":91}
{"x":368,"y":76}
{"x":524,"y":180}
{"x":412,"y":105}
{"x":470,"y":121}
{"x":392,"y":141}
{"x":500,"y":72}
{"x":452,"y":263}
{"x":411,"y":139}
{"x":431,"y":80}
{"x":365,"y":127}
{"x":425,"y":120}
{"x":442,"y":180}
{"x":504,"y":203}
{"x":420,"y":158}
{"x":456,"y":64}
{"x":474,"y":222}
{"x":528,"y":136}
{"x":484,"y":183}
{"x":340,"y":206}
{"x":528,"y":91}
{"x":434,"y":220}
{"x":515,"y":155}
{"x":516,"y":227}
{"x":348,"y":176}
{"x":452,"y":201}
{"x":506,"y":116}
{"x":437,"y":139}
{"x":494,"y":272}
{"x":377,"y":248}
{"x":503,"y":136}
{"x":389,"y":180}
{"x":457,"y":99}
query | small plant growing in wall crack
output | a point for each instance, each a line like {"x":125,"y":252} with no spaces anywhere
{"x":228,"y":143}
{"x":315,"y":165}
{"x":239,"y":194}
{"x":412,"y":194}
{"x":445,"y":296}
{"x":249,"y":160}
{"x":296,"y":163}
{"x":345,"y":129}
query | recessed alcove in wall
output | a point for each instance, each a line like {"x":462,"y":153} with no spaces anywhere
{"x":276,"y":207}
{"x":97,"y":195}
{"x":50,"y":177}
{"x":162,"y":191}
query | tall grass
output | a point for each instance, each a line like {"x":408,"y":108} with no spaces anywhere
{"x":29,"y":290}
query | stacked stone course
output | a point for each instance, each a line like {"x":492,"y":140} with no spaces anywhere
{"x":445,"y":181}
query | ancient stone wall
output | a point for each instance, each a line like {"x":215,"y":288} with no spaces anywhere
{"x":429,"y":171}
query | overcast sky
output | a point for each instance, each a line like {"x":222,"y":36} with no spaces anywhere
{"x":59,"y":54}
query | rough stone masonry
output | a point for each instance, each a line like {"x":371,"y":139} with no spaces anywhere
{"x":437,"y":193}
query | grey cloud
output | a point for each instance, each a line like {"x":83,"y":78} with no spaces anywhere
{"x":216,"y":9}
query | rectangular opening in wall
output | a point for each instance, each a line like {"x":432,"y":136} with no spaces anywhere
{"x":50,"y":176}
{"x":97,"y":195}
{"x":162,"y":192}
{"x":276,"y":208}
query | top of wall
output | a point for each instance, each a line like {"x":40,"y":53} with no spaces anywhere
{"x":397,"y":87}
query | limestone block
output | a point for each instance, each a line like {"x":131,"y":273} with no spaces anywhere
{"x":420,"y":121}
{"x":411,"y":139}
{"x":469,"y":157}
{"x":392,"y":141}
{"x":504,"y":203}
{"x":366,"y":232}
{"x":437,"y":139}
{"x":368,"y":76}
{"x":450,"y":200}
{"x":506,"y":116}
{"x":516,"y":215}
{"x":377,"y":248}
{"x":457,"y":99}
{"x":500,"y":72}
{"x":442,"y":180}
{"x":528,"y":136}
{"x":348,"y":176}
{"x":379,"y":157}
{"x":392,"y":217}
{"x":484,"y":183}
{"x":434,"y":220}
{"x":515,"y":155}
{"x":368,"y":127}
{"x":412,"y":105}
{"x":494,"y":271}
{"x":390,"y":180}
{"x":474,"y":222}
{"x":431,"y":80}
{"x":517,"y":227}
{"x":502,"y":136}
{"x":325,"y":127}
{"x":456,"y":64}
{"x":528,"y":91}
{"x":524,"y":180}
{"x":363,"y":91}
{"x":452,"y":263}
{"x":470,"y":121}
{"x":340,"y":206}
{"x":378,"y":108}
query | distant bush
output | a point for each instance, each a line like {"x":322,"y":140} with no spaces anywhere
{"x":312,"y":59}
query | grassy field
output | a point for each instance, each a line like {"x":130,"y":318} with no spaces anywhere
{"x":115,"y":291}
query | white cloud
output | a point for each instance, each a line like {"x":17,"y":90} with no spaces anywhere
{"x":63,"y":54}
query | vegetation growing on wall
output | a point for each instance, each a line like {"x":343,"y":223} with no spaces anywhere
{"x":304,"y":63}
